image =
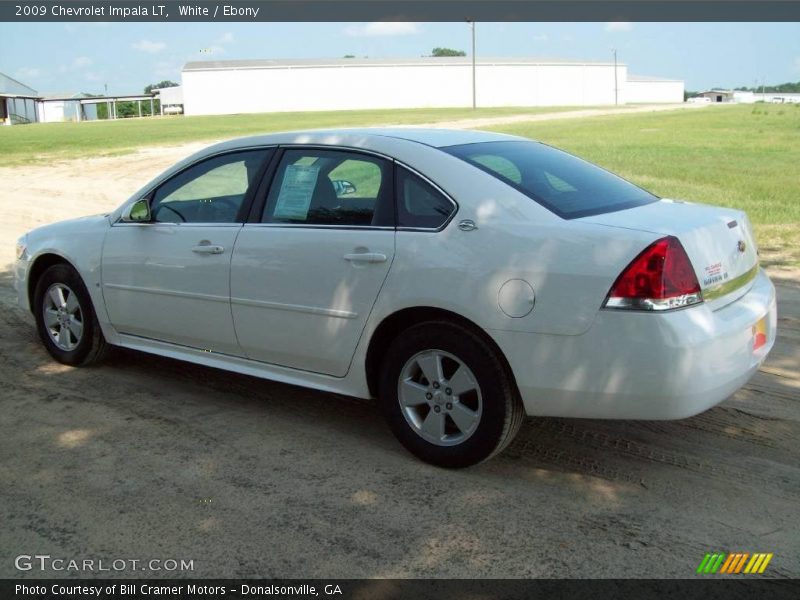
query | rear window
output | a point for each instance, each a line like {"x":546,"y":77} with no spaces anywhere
{"x":563,"y":183}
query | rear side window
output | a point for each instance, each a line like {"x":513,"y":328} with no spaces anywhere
{"x":565,"y":184}
{"x":419,"y":204}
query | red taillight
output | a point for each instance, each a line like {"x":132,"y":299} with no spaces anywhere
{"x":660,"y":278}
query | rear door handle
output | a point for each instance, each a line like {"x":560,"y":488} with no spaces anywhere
{"x":208,"y":249}
{"x":366,"y":257}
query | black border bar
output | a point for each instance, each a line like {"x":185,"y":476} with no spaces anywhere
{"x":405,"y":10}
{"x":700,"y":588}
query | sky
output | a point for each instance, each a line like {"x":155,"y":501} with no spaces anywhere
{"x":86,"y":57}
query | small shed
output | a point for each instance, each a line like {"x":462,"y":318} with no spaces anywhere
{"x":67,"y":106}
{"x":718,"y":95}
{"x":170,"y":97}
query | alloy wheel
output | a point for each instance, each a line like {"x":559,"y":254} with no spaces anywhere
{"x":440,"y":397}
{"x":63,"y":317}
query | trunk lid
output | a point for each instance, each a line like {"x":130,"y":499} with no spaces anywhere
{"x":719,"y":242}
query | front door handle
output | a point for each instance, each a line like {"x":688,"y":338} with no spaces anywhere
{"x":366,"y":257}
{"x":208,"y":249}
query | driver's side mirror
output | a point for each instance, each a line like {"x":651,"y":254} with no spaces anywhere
{"x":138,"y":212}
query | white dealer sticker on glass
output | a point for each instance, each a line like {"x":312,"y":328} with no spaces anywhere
{"x":297,"y":189}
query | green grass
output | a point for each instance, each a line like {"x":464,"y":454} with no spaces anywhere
{"x":742,"y":156}
{"x":26,"y":144}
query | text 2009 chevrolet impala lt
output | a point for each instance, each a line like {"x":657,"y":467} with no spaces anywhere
{"x":465,"y":279}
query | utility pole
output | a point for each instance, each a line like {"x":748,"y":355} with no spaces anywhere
{"x":616,"y":86}
{"x":474,"y":93}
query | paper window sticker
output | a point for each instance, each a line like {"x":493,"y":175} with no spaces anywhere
{"x":297,"y":189}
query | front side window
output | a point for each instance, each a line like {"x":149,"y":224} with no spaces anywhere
{"x":330,"y":187}
{"x":419,"y":204}
{"x":209,"y":192}
{"x":565,"y":184}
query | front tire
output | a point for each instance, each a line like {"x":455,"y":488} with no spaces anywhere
{"x":447,"y":396}
{"x":65,"y":318}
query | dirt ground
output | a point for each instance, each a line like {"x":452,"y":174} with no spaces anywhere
{"x":146,"y":457}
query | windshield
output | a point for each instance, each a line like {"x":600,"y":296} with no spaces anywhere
{"x":561,"y":182}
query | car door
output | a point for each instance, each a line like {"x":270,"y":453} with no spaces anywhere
{"x":305,"y":275}
{"x":168,"y":279}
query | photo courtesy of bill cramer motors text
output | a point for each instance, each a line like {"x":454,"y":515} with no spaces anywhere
{"x":98,"y":590}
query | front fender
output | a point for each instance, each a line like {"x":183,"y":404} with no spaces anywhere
{"x":77,"y":242}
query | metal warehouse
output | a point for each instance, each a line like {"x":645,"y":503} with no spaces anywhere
{"x":253,"y":86}
{"x":646,"y":90}
{"x":17,"y":102}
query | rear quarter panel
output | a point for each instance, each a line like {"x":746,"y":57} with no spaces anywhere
{"x":569,"y":266}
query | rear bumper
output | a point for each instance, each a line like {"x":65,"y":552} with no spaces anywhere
{"x":636,"y":365}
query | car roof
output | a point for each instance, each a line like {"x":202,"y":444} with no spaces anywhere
{"x":438,"y":138}
{"x":369,"y":137}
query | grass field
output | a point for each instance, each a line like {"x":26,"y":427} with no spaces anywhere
{"x":49,"y":141}
{"x":743,"y":156}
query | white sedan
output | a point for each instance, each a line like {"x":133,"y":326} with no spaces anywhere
{"x":465,"y":279}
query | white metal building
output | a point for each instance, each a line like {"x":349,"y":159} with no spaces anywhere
{"x":717,"y":95}
{"x":748,"y":97}
{"x":779,"y":97}
{"x":647,"y":90}
{"x":170,"y":97}
{"x":744,"y":97}
{"x":55,"y":108}
{"x":252,"y":86}
{"x":17,"y":102}
{"x":769,"y":97}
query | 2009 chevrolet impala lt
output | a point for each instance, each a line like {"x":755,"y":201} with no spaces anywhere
{"x":465,"y":279}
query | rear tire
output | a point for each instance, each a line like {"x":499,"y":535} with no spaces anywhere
{"x":65,"y":318}
{"x":447,"y":396}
